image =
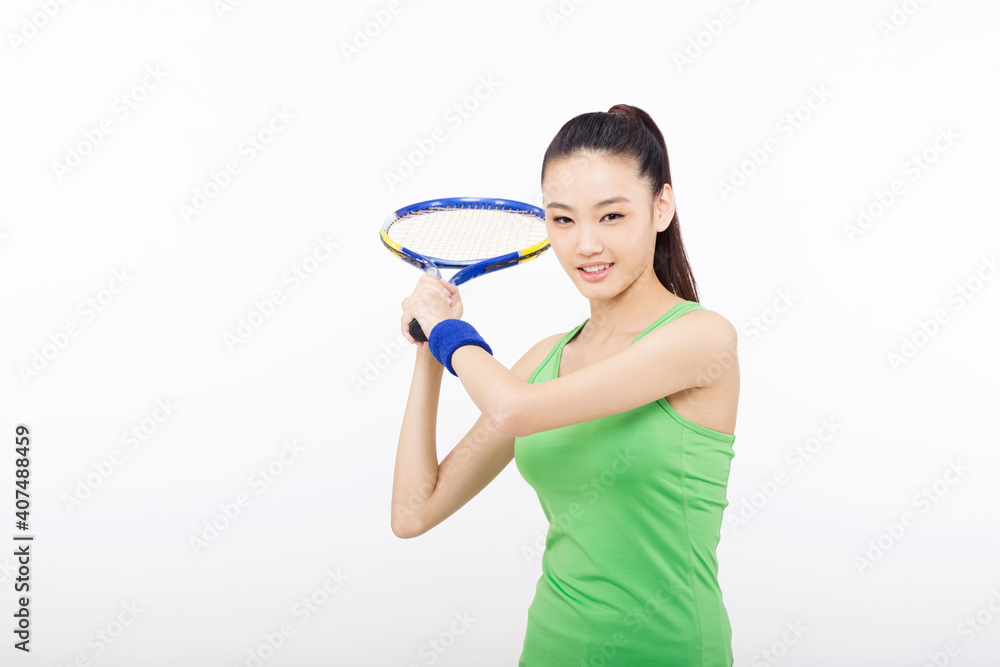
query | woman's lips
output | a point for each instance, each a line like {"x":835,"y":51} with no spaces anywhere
{"x":596,"y":275}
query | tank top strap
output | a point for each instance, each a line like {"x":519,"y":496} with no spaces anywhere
{"x":548,"y":364}
{"x":680,"y":309}
{"x":571,"y":334}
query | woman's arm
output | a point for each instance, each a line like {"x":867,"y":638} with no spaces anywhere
{"x":423,"y":493}
{"x":416,"y":469}
{"x":690,"y":352}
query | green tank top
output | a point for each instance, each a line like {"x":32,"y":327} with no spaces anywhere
{"x":634,"y":503}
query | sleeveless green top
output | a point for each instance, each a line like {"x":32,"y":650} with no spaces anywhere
{"x":634,"y":503}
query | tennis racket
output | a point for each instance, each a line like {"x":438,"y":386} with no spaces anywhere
{"x":476,"y":234}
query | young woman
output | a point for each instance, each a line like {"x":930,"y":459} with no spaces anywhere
{"x":623,"y":425}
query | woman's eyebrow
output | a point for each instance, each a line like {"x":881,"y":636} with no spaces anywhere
{"x":611,"y":200}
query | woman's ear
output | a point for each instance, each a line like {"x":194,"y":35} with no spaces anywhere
{"x":664,"y":208}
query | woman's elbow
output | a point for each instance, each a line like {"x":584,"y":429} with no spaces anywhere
{"x":406,"y":531}
{"x":406,"y":524}
{"x":401,"y":533}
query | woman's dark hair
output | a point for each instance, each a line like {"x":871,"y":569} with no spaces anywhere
{"x":628,"y":132}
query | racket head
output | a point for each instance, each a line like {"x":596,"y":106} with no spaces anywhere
{"x":478,"y":234}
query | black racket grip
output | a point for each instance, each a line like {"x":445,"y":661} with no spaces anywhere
{"x":416,"y":331}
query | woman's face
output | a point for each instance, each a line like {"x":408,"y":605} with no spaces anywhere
{"x":598,"y":212}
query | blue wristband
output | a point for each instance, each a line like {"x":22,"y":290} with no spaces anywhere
{"x":451,"y":334}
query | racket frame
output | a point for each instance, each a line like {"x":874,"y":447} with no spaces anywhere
{"x":470,"y":268}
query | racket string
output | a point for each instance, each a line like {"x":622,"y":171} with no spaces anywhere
{"x":460,"y":233}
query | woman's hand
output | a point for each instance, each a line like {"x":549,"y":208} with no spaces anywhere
{"x":433,"y":300}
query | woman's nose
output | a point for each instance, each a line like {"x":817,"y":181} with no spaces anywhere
{"x":588,"y":241}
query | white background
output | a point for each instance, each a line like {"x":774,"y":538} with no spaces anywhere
{"x":821,"y":311}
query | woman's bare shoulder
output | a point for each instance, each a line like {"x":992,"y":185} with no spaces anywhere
{"x":716,"y":324}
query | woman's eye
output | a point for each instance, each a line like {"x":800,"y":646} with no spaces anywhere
{"x":563,"y":219}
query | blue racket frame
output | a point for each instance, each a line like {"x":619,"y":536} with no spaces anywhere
{"x":470,"y":268}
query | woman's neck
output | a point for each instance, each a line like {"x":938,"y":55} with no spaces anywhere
{"x":630,"y":311}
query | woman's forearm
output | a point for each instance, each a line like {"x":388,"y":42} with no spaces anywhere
{"x":494,"y":388}
{"x":416,"y":470}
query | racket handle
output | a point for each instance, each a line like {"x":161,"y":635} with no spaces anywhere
{"x":416,"y":331}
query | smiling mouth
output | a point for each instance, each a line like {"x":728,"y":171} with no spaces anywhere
{"x":596,"y":271}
